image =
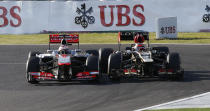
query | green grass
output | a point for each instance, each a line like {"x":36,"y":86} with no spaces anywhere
{"x":97,"y":38}
{"x":185,"y":109}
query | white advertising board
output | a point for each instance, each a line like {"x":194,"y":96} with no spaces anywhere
{"x":18,"y":17}
{"x":166,"y":27}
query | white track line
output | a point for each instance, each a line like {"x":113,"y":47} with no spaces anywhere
{"x":172,"y":102}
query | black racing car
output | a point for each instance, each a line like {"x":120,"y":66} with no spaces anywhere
{"x":145,"y":62}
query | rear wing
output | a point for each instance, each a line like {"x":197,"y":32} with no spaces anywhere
{"x":129,"y":35}
{"x":57,"y":38}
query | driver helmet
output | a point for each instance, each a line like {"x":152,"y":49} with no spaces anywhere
{"x":139,"y":38}
{"x":64,"y":46}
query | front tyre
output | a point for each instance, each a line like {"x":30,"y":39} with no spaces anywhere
{"x":92,"y":65}
{"x":32,"y":65}
{"x":103,"y":59}
{"x":114,"y":63}
{"x":175,"y":65}
{"x":33,"y":54}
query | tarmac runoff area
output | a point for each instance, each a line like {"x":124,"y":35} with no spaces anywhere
{"x":197,"y":101}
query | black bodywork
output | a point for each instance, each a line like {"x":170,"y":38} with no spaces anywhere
{"x":150,"y":62}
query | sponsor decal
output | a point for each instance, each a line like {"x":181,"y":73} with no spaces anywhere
{"x":64,"y":60}
{"x":166,"y":27}
{"x":85,"y":18}
{"x":5,"y":20}
{"x":123,"y":11}
{"x":168,"y":30}
{"x":206,"y":17}
{"x":56,"y":38}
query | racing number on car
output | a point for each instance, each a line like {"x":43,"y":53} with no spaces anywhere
{"x":168,"y":30}
{"x":4,"y":21}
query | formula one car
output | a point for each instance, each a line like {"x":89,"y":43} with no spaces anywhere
{"x":63,"y":64}
{"x":140,"y":60}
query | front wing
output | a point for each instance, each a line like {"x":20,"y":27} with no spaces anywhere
{"x":41,"y":76}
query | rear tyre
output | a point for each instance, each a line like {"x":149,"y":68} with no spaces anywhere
{"x":175,"y":65}
{"x":114,"y":63}
{"x":103,"y":59}
{"x":32,"y":65}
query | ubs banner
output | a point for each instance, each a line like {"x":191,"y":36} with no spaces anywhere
{"x":37,"y":16}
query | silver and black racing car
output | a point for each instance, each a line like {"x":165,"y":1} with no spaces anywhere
{"x":62,"y":64}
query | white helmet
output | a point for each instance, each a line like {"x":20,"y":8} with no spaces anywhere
{"x":63,"y":47}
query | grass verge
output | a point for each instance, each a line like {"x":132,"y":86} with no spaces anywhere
{"x":98,"y":38}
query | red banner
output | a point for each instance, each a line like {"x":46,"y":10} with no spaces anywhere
{"x":71,"y":38}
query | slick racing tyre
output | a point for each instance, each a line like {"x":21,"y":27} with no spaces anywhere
{"x":161,"y":49}
{"x":32,"y":65}
{"x":114,"y":63}
{"x":174,"y":64}
{"x":93,"y":52}
{"x":92,"y":65}
{"x":33,"y":54}
{"x":103,"y":59}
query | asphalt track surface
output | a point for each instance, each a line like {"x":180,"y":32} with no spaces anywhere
{"x":17,"y":95}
